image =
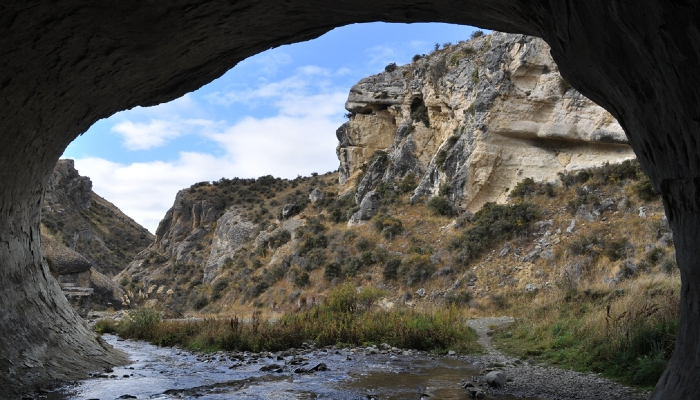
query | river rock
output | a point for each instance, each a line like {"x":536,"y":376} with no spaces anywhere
{"x":495,"y":379}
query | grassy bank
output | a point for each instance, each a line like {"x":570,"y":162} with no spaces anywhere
{"x":626,"y":334}
{"x":346,"y":318}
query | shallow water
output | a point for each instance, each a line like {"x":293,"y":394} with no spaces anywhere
{"x":168,"y":373}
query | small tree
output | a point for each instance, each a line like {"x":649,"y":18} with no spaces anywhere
{"x":440,"y":206}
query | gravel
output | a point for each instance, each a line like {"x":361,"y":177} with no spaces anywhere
{"x":529,"y":379}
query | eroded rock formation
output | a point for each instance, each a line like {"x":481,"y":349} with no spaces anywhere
{"x":472,"y":120}
{"x":66,"y":65}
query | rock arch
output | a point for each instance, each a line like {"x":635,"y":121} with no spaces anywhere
{"x":64,"y":65}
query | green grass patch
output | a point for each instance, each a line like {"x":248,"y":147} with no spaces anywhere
{"x":628,"y":337}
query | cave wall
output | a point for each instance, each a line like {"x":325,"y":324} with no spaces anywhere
{"x":64,"y":65}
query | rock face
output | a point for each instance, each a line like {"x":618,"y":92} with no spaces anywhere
{"x":87,"y":240}
{"x":472,"y":120}
{"x":232,"y":232}
{"x":208,"y":225}
{"x":75,"y":216}
{"x":68,"y":65}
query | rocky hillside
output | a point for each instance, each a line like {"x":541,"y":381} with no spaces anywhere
{"x":474,"y":171}
{"x":471,"y":120}
{"x":75,"y":216}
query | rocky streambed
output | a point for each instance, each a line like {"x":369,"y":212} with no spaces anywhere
{"x":326,"y":373}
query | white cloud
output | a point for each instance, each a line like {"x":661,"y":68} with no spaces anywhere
{"x":381,"y":56}
{"x":298,"y":139}
{"x":156,"y":133}
{"x":141,"y":136}
{"x":145,"y":191}
{"x":269,"y":63}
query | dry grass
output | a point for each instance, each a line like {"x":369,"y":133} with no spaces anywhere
{"x":345,"y":318}
{"x":627,"y":333}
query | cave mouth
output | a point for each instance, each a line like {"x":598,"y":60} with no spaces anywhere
{"x":66,"y":65}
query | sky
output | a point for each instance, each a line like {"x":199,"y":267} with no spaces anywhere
{"x":274,"y":113}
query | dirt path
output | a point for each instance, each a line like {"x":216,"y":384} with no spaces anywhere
{"x":483,"y":326}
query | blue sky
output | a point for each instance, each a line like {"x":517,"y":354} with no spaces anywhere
{"x":275,"y":113}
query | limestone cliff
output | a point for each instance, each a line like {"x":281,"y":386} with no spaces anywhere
{"x":471,"y":120}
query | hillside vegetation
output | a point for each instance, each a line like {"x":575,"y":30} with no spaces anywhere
{"x":587,"y":263}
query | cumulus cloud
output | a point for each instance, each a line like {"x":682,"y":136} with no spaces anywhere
{"x":145,"y":191}
{"x":299,"y":138}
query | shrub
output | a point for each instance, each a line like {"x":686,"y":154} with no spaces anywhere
{"x":475,"y":75}
{"x":333,"y":270}
{"x":500,"y":302}
{"x":439,"y":205}
{"x":668,"y":265}
{"x":388,"y":226}
{"x":586,"y":245}
{"x":352,"y":266}
{"x":319,"y":241}
{"x":390,"y":68}
{"x":279,"y":238}
{"x":257,"y":289}
{"x":416,"y":57}
{"x":419,"y":112}
{"x":616,"y":249}
{"x":219,"y":287}
{"x":491,"y":225}
{"x":391,"y":269}
{"x":416,"y":268}
{"x":617,"y":173}
{"x":526,"y":187}
{"x":200,"y":302}
{"x":458,"y":298}
{"x":654,"y":255}
{"x":529,"y":188}
{"x":301,"y":280}
{"x":106,"y":326}
{"x":645,"y":190}
{"x":581,"y":199}
{"x":315,"y":258}
{"x":342,"y":299}
{"x":477,"y":34}
{"x":363,"y":244}
{"x":408,"y":183}
{"x":367,"y":296}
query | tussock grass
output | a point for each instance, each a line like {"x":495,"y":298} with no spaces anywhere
{"x":627,"y":334}
{"x":346,"y":318}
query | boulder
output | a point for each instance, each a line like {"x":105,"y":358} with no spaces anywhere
{"x":61,"y":259}
{"x":316,"y":195}
{"x":288,"y":210}
{"x":368,"y":209}
{"x":495,"y":379}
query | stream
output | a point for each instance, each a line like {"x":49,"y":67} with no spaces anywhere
{"x":360,"y":373}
